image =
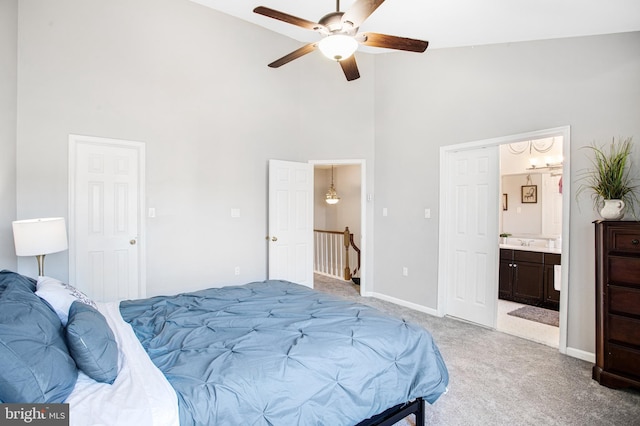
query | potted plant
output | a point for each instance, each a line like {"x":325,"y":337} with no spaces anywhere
{"x":504,"y":237}
{"x":610,"y":180}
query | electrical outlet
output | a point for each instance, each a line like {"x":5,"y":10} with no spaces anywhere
{"x":405,"y":271}
{"x":237,"y":270}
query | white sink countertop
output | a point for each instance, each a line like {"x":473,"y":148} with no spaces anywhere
{"x":531,"y":248}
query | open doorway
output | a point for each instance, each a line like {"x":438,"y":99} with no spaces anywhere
{"x":455,"y":280}
{"x":530,"y":226}
{"x":348,"y":179}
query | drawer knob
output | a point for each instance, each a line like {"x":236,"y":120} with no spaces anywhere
{"x":635,"y":241}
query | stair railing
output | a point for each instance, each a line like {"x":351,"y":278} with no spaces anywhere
{"x":331,"y":254}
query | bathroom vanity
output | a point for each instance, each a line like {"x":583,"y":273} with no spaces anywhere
{"x":527,"y":275}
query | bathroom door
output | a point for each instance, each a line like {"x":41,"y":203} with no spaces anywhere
{"x":471,"y":234}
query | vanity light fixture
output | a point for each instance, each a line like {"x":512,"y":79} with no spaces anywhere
{"x":549,"y":164}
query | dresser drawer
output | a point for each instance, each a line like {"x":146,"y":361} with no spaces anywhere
{"x":623,"y":361}
{"x":624,"y":330}
{"x":624,"y":270}
{"x":625,"y":239}
{"x":623,"y":300}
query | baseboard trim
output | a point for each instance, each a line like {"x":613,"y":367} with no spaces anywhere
{"x":572,"y":352}
{"x":404,"y":303}
{"x":580,"y":354}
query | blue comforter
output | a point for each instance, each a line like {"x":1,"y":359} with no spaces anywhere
{"x":277,"y":353}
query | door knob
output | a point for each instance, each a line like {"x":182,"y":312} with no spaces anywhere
{"x":132,"y":241}
{"x":274,"y":238}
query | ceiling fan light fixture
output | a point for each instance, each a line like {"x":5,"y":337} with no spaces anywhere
{"x":338,"y":46}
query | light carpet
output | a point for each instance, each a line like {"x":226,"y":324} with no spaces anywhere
{"x":499,"y":379}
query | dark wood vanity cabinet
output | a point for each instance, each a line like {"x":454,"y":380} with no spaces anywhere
{"x":617,"y":304}
{"x":505,"y":274}
{"x":527,"y":277}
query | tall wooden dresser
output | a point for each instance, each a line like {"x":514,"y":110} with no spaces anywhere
{"x":617,"y":304}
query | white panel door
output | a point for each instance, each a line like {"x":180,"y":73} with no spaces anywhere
{"x":291,"y":221}
{"x":472,"y":252}
{"x":106,"y":185}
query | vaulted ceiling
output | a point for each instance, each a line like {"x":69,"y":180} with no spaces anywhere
{"x":454,"y":23}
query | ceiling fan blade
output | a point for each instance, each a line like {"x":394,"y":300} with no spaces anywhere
{"x":350,"y":68}
{"x":285,"y":17}
{"x":393,"y":42}
{"x":360,"y":10}
{"x":294,"y":55}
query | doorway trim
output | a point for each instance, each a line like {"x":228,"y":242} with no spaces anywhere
{"x":446,"y":217}
{"x":364,"y":287}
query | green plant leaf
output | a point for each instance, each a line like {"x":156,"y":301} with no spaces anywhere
{"x":609,"y":177}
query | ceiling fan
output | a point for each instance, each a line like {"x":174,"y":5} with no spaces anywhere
{"x":340,"y":35}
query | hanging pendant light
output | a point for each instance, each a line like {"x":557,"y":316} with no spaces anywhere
{"x":332,"y":195}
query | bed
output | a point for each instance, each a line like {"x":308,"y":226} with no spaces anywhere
{"x":264,"y":353}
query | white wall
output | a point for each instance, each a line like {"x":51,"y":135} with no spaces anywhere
{"x":320,"y":178}
{"x":452,"y":96}
{"x":348,"y":211}
{"x":8,"y":98}
{"x":194,"y":85}
{"x":522,"y":219}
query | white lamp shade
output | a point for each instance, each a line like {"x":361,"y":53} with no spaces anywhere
{"x":338,"y":46}
{"x":34,"y":237}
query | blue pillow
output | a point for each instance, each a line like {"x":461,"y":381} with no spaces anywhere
{"x":35,"y":365}
{"x":12,"y":278}
{"x":92,"y":343}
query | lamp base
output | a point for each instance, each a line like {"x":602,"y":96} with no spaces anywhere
{"x":40,"y":259}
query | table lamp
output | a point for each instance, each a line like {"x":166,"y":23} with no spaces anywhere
{"x":39,"y":237}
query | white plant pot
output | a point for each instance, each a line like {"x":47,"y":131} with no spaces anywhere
{"x":612,"y":210}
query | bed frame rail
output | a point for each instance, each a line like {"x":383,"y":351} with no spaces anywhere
{"x":397,"y":413}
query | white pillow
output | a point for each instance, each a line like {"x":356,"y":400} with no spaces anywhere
{"x":60,"y":296}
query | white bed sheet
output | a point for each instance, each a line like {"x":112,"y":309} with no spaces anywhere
{"x":140,"y":395}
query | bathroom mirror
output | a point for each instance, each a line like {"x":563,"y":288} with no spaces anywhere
{"x":526,"y":216}
{"x":531,"y":180}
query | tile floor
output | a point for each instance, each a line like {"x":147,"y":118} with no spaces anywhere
{"x":531,"y":330}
